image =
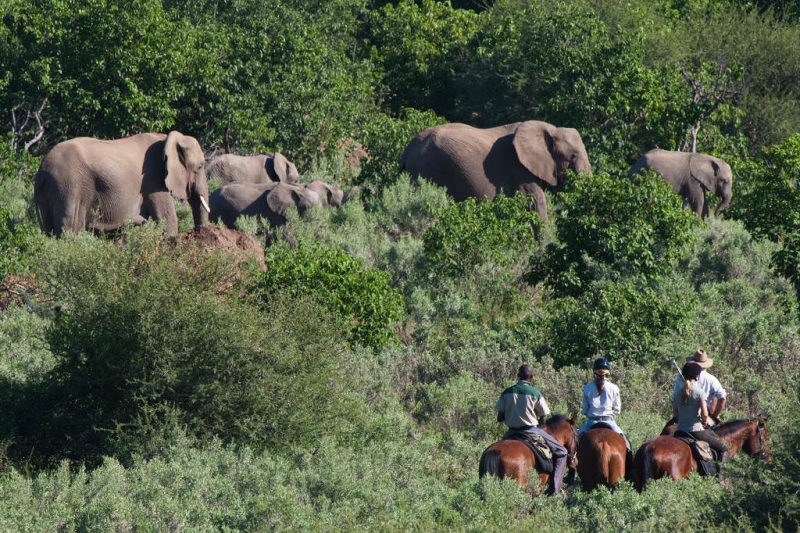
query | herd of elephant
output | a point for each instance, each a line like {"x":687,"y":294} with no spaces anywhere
{"x":87,"y":183}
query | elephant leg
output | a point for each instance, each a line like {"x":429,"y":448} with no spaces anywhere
{"x":161,"y":207}
{"x":541,"y":203}
{"x":698,"y":204}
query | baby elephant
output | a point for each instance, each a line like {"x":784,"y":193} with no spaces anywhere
{"x":328,"y":194}
{"x":691,"y":175}
{"x":264,"y":168}
{"x":268,"y":200}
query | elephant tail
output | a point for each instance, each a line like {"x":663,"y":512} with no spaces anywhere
{"x":41,"y":200}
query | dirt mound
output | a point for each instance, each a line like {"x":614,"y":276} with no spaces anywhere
{"x":240,"y":245}
{"x":18,"y":290}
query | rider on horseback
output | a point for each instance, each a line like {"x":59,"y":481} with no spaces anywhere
{"x":522,"y":407}
{"x":690,"y":408}
{"x":716,"y":397}
{"x":601,"y":401}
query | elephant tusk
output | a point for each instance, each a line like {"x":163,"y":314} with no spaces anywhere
{"x":205,"y":204}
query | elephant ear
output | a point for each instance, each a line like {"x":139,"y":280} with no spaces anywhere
{"x":705,"y":170}
{"x":280,"y":167}
{"x":177,"y":176}
{"x":283,"y":197}
{"x":533,"y":143}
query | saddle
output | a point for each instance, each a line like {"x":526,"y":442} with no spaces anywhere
{"x":704,"y":454}
{"x":605,"y":425}
{"x":537,"y":444}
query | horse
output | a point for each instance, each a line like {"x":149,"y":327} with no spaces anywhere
{"x":602,"y":459}
{"x":669,"y":456}
{"x":513,"y":459}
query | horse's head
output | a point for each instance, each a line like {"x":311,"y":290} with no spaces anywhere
{"x":565,"y":432}
{"x":758,"y":442}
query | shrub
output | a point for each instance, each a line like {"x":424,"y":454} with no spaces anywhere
{"x":470,"y":233}
{"x":619,"y":320}
{"x":19,"y":244}
{"x":362,"y":298}
{"x":613,"y":228}
{"x":151,"y":347}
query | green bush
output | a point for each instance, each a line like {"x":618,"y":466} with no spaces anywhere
{"x":152,"y":346}
{"x":626,"y":321}
{"x":469,"y":233}
{"x":19,"y":244}
{"x":363,"y":299}
{"x":613,"y":228}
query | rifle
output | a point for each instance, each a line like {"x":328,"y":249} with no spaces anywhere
{"x":680,"y":375}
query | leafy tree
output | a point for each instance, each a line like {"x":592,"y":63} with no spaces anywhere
{"x":362,"y":298}
{"x":768,"y":196}
{"x":419,"y":47}
{"x":559,"y":62}
{"x":289,"y":77}
{"x":103,"y":68}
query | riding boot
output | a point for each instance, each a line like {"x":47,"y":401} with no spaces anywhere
{"x":628,"y":459}
{"x":570,"y":479}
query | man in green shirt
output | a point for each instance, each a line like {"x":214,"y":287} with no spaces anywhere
{"x":523,"y":407}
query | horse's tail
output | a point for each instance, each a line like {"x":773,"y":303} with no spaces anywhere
{"x":491,"y":464}
{"x":643,"y":466}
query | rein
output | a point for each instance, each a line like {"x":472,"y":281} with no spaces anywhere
{"x":762,"y":453}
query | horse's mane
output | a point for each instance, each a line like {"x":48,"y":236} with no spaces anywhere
{"x":729,"y":428}
{"x":556,"y":419}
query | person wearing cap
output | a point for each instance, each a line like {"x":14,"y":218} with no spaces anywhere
{"x":523,"y":407}
{"x":690,"y":407}
{"x":601,"y":401}
{"x":716,"y":397}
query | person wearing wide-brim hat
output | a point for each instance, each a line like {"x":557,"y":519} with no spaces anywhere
{"x":716,"y":397}
{"x":690,"y":410}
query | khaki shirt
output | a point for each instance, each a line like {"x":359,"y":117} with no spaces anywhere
{"x":522,"y":405}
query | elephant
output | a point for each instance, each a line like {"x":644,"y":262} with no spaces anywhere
{"x":691,"y":175}
{"x":88,"y":183}
{"x":263,"y":168}
{"x":328,"y":194}
{"x":267,"y":200}
{"x":482,"y":163}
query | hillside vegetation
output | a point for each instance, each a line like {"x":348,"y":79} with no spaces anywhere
{"x":158,"y":384}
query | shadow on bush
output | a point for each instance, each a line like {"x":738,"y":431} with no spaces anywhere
{"x":153,"y":348}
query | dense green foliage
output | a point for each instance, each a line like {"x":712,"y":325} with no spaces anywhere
{"x":361,"y":297}
{"x":154,"y":384}
{"x":145,"y":352}
{"x":469,"y":233}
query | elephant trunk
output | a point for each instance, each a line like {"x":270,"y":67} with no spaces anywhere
{"x":199,"y":201}
{"x":726,"y":201}
{"x":582,"y":165}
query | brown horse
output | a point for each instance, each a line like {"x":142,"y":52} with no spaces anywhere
{"x":668,"y":456}
{"x":602,"y":458}
{"x":513,"y":458}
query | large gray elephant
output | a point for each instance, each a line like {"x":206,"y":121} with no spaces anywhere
{"x":330,"y":195}
{"x":691,"y":175}
{"x":263,"y":168}
{"x":88,"y":183}
{"x":266,"y":200}
{"x":472,"y":162}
